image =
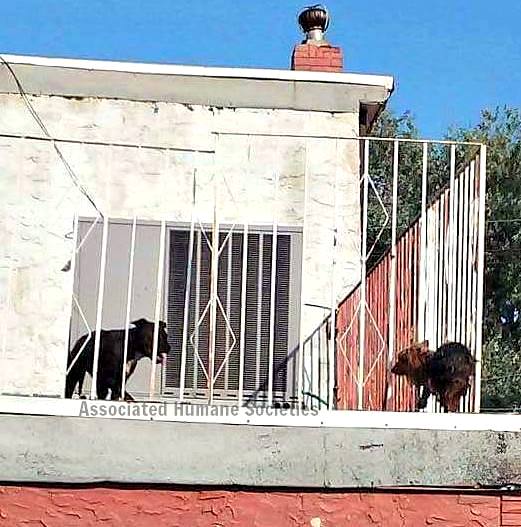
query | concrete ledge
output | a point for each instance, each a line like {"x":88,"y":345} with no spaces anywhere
{"x":222,"y":87}
{"x":40,"y":449}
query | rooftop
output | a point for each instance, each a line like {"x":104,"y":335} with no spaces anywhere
{"x":227,"y":87}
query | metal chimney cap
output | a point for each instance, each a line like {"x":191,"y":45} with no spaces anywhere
{"x":314,"y":21}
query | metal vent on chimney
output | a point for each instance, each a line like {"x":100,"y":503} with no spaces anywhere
{"x":315,"y":53}
{"x":314,"y":21}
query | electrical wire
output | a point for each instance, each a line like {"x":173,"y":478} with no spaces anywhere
{"x":40,"y":123}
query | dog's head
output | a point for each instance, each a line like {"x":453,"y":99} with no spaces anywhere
{"x":145,"y":337}
{"x":411,"y":360}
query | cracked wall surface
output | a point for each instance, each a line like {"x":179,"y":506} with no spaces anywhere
{"x":49,"y":507}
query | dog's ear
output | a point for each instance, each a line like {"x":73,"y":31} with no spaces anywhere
{"x":162,"y":324}
{"x":412,"y":336}
{"x":140,"y":322}
{"x":414,"y":356}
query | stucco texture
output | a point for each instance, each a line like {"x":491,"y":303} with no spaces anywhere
{"x":48,"y":507}
{"x":40,"y":201}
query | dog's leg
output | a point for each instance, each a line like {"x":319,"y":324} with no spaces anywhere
{"x":417,"y":391}
{"x":80,"y":385}
{"x":444,"y":402}
{"x":70,"y":384}
{"x":426,"y":393}
{"x":102,"y":388}
{"x":75,"y":379}
{"x":452,"y":400}
{"x":115,"y":386}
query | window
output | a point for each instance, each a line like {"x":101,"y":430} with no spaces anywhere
{"x":228,"y":328}
{"x":228,"y":334}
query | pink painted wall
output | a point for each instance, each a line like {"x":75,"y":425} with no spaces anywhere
{"x":47,"y":507}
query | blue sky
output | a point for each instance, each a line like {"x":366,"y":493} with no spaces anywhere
{"x":450,"y":58}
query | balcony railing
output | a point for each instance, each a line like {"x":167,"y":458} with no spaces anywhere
{"x":265,"y":291}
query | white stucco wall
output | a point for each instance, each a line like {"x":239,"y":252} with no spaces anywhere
{"x":40,"y":200}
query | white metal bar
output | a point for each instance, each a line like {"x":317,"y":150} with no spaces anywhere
{"x":443,"y":256}
{"x":473,"y":242}
{"x":195,"y":378}
{"x":75,"y":234}
{"x":422,"y":285}
{"x":314,"y":363}
{"x":213,"y":293}
{"x":432,"y":273}
{"x":456,"y":267}
{"x":86,"y":341}
{"x":229,"y":349}
{"x":300,"y":373}
{"x":442,"y":275}
{"x":272,"y":288}
{"x":319,"y":368}
{"x":159,"y":298}
{"x":87,"y":234}
{"x":363,"y":280}
{"x":77,"y":248}
{"x":99,"y":308}
{"x":244,"y":279}
{"x":436,"y":282}
{"x":460,"y":298}
{"x":196,"y":329}
{"x":349,"y":138}
{"x":129,"y":304}
{"x":464,"y":404}
{"x":392,"y":289}
{"x":258,"y":349}
{"x":473,"y":257}
{"x":331,"y":355}
{"x":186,"y":319}
{"x":332,"y":335}
{"x":474,"y":250}
{"x":465,"y":291}
{"x":182,"y":379}
{"x":481,"y":265}
{"x":224,"y":133}
{"x":451,"y":240}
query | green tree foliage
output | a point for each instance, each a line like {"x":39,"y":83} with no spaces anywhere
{"x":500,"y":130}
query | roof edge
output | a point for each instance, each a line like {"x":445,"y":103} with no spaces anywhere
{"x":384,"y":81}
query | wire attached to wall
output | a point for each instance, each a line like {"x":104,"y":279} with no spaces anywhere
{"x":40,"y":123}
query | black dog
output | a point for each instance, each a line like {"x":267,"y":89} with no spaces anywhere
{"x":110,"y":362}
{"x":445,"y":372}
{"x":450,"y":370}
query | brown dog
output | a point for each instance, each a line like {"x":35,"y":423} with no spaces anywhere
{"x":413,"y":363}
{"x":445,"y":373}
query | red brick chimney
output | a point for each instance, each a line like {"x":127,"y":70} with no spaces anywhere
{"x":315,"y":53}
